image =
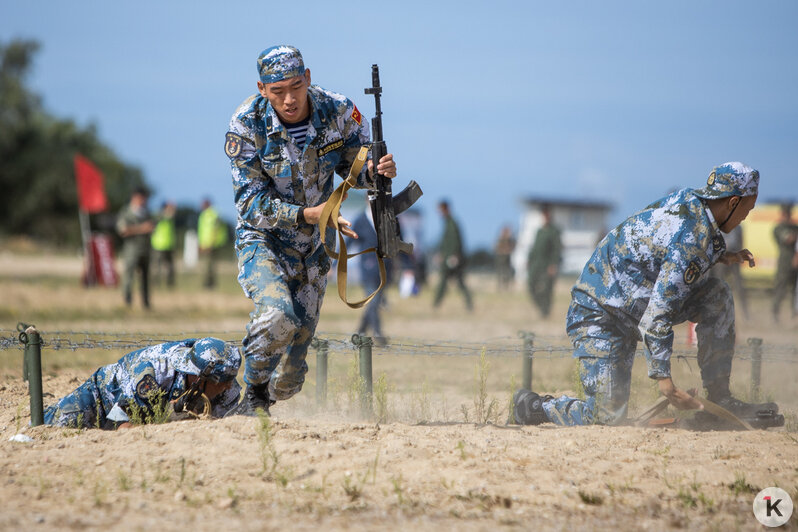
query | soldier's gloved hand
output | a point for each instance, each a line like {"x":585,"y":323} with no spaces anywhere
{"x":386,"y":166}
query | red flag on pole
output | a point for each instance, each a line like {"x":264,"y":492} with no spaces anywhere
{"x":91,"y":188}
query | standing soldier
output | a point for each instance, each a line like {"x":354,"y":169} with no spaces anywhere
{"x":212,"y":236}
{"x":163,"y":240}
{"x":647,"y":275}
{"x":785,"y":234}
{"x":284,"y":145}
{"x":134,"y":224}
{"x":452,"y":257}
{"x":503,"y":251}
{"x":543,"y":263}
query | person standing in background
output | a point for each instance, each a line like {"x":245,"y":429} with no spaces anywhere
{"x":543,"y":263}
{"x":452,"y":258}
{"x":786,"y":234}
{"x":164,"y":239}
{"x":212,"y":236}
{"x":503,"y":250}
{"x":134,"y":224}
{"x":363,"y":225}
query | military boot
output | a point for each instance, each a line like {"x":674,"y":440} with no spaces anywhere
{"x":255,"y":396}
{"x":745,"y":410}
{"x":528,"y":407}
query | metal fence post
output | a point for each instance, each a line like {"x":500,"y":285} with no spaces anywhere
{"x":526,"y":354}
{"x":364,"y":343}
{"x":756,"y":367}
{"x":32,"y":366}
{"x":322,"y":349}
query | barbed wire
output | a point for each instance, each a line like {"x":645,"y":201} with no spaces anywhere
{"x":524,"y":344}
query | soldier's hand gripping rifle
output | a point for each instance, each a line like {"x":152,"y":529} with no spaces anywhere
{"x":194,"y":399}
{"x":385,"y":206}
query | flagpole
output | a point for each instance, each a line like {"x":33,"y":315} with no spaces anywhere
{"x":85,"y":232}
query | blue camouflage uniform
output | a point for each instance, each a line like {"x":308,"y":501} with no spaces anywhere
{"x":136,"y":375}
{"x":646,"y":276}
{"x":282,"y":264}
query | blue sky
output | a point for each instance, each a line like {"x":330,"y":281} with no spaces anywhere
{"x":484,"y":103}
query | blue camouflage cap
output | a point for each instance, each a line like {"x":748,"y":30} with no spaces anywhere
{"x":226,"y":357}
{"x":280,"y":62}
{"x":730,"y":179}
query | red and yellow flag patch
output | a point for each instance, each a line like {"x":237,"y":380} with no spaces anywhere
{"x":356,"y":116}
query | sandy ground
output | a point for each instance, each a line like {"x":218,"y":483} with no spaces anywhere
{"x":423,"y":466}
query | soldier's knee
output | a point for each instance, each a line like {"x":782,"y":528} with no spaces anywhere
{"x":279,"y":320}
{"x":284,"y":387}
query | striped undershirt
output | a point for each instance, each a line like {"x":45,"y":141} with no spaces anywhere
{"x":299,"y":131}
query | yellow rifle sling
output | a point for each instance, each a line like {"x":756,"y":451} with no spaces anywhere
{"x":329,"y":216}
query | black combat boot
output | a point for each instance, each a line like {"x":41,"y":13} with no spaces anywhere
{"x":745,"y":410}
{"x":255,"y":396}
{"x":528,"y":407}
{"x":718,"y":392}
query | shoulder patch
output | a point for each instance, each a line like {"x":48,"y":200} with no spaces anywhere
{"x":356,"y":116}
{"x":232,"y":145}
{"x":146,"y":386}
{"x":324,"y":150}
{"x":692,"y":272}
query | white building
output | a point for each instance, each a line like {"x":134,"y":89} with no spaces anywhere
{"x":582,"y":224}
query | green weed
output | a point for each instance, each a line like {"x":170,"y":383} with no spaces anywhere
{"x":381,"y":389}
{"x":740,"y":486}
{"x":353,"y":486}
{"x":485,"y":408}
{"x":510,"y":404}
{"x":421,"y":409}
{"x":123,"y":480}
{"x":157,"y":413}
{"x":591,"y":498}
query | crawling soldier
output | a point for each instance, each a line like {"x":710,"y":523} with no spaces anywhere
{"x":167,"y":370}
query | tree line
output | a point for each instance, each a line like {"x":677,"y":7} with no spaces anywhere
{"x":39,"y":196}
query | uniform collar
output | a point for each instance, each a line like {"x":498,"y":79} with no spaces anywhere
{"x":317,"y":119}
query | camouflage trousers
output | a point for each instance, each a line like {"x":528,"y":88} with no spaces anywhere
{"x":287,"y":295}
{"x":605,"y":350}
{"x":80,"y":409}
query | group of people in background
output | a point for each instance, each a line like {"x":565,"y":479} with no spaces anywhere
{"x":149,"y":242}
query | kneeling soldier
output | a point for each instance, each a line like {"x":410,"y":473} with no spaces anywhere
{"x":647,"y":275}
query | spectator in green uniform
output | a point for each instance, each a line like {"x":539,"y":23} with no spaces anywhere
{"x":786,"y":234}
{"x":134,"y":224}
{"x":543,"y":263}
{"x":212,"y":236}
{"x":163,"y":240}
{"x":452,"y":257}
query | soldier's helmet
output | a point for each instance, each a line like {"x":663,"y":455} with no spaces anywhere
{"x":730,"y":179}
{"x":224,"y":357}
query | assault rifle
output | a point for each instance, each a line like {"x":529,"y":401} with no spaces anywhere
{"x":385,"y":206}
